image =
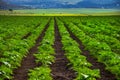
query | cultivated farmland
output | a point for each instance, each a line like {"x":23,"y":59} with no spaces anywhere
{"x":59,"y":48}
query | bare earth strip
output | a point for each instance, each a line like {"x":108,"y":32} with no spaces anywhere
{"x":29,"y":61}
{"x":60,"y":70}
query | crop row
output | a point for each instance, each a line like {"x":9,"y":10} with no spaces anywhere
{"x":103,"y":25}
{"x":105,"y":33}
{"x":111,"y":41}
{"x":44,"y":56}
{"x":73,"y":53}
{"x":15,"y":50}
{"x":100,"y":36}
{"x":16,"y":27}
{"x":98,"y":49}
{"x":46,"y":51}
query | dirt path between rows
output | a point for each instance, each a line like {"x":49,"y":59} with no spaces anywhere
{"x":60,"y":70}
{"x":26,"y":36}
{"x":29,"y":61}
{"x":105,"y":75}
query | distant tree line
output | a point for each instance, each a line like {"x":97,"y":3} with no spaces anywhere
{"x":11,"y":10}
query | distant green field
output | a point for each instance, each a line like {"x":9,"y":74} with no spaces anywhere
{"x":72,"y":11}
{"x":67,"y":11}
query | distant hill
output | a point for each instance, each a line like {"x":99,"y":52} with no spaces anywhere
{"x":89,"y":4}
{"x":5,"y":4}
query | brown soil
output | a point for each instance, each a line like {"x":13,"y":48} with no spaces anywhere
{"x":105,"y":74}
{"x":26,"y":36}
{"x":29,"y":61}
{"x":60,"y":70}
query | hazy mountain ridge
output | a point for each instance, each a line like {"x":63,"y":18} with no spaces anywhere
{"x":5,"y":5}
{"x":89,"y":4}
{"x":58,"y":4}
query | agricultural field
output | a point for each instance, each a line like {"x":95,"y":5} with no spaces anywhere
{"x":59,"y":48}
{"x":63,"y":12}
{"x":68,"y":11}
